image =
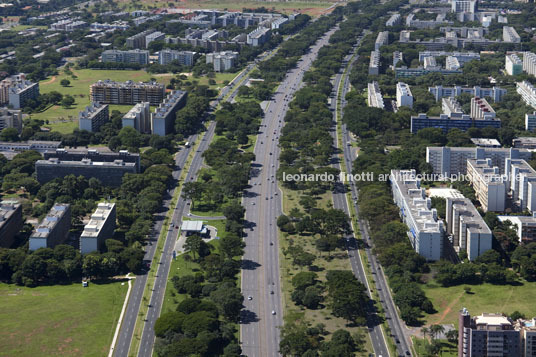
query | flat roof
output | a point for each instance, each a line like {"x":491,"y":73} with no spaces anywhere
{"x":192,"y":226}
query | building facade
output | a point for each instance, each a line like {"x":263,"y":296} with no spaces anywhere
{"x":374,"y":64}
{"x":521,"y":184}
{"x":96,"y":155}
{"x":447,"y":123}
{"x":154,"y":36}
{"x":513,"y":64}
{"x":529,"y":63}
{"x":139,"y":117}
{"x":222,"y":61}
{"x":185,"y":58}
{"x":404,"y":97}
{"x":128,"y":92}
{"x":510,"y":35}
{"x":163,"y":118}
{"x":489,"y":185}
{"x":481,"y":109}
{"x":136,"y":56}
{"x":100,"y":227}
{"x":10,"y":221}
{"x":10,"y":118}
{"x":93,"y":117}
{"x":527,"y":91}
{"x":53,"y":229}
{"x":495,"y":93}
{"x":138,"y":40}
{"x":375,"y":98}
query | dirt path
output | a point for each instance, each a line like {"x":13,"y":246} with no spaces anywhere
{"x":449,"y":308}
{"x":50,"y":81}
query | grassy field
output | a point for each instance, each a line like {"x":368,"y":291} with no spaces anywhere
{"x":483,"y":298}
{"x":313,"y":8}
{"x":66,"y":320}
{"x":65,"y":120}
{"x":338,"y":260}
{"x":447,"y":349}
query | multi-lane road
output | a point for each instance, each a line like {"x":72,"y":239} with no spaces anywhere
{"x":261,"y":287}
{"x":398,"y":330}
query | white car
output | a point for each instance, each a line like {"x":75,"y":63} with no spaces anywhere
{"x":250,"y":298}
{"x":273,"y":312}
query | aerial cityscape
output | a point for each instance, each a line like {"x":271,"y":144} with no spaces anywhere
{"x":258,"y":178}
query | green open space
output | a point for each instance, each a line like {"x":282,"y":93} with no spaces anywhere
{"x":448,"y":349}
{"x":482,"y":298}
{"x":67,"y":320}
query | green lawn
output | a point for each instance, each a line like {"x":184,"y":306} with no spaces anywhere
{"x":484,"y":298}
{"x":66,"y":320}
{"x":65,"y":120}
{"x":447,"y":349}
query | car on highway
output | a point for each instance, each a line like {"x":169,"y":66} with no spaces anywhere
{"x":273,"y":312}
{"x":250,"y":298}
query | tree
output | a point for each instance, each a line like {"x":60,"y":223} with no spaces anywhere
{"x":436,"y":330}
{"x":244,"y":91}
{"x":9,"y":134}
{"x":452,"y":336}
{"x":229,"y":300}
{"x":193,"y":244}
{"x":424,"y":331}
{"x":232,"y":245}
{"x":65,"y":82}
{"x":67,"y":101}
{"x":193,"y":191}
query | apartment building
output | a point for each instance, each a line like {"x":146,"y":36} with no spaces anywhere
{"x":452,"y":63}
{"x":374,"y":65}
{"x":467,"y":228}
{"x":375,"y":98}
{"x":430,"y":64}
{"x":489,"y":185}
{"x":486,"y":143}
{"x":20,"y":92}
{"x":469,"y":6}
{"x":426,"y":231}
{"x":222,"y":61}
{"x":100,"y":227}
{"x":139,"y":118}
{"x":411,"y":21}
{"x":525,"y":226}
{"x":481,"y":109}
{"x":451,"y":107}
{"x":521,"y":184}
{"x":495,"y":93}
{"x":404,"y":97}
{"x":278,"y":22}
{"x":163,"y":118}
{"x":525,"y":142}
{"x":93,"y":117}
{"x":513,"y":65}
{"x":10,"y":118}
{"x":185,"y":58}
{"x":109,"y":173}
{"x":510,"y":35}
{"x":381,"y":40}
{"x":102,"y":154}
{"x":529,"y":63}
{"x":128,"y":92}
{"x":138,"y":40}
{"x":527,"y":91}
{"x":394,"y":20}
{"x":136,"y":56}
{"x":397,"y":57}
{"x":53,"y":229}
{"x":258,"y":37}
{"x":463,"y":57}
{"x":448,"y":161}
{"x":443,"y":121}
{"x":154,"y":36}
{"x":487,"y":335}
{"x":404,"y":72}
{"x":10,"y":221}
{"x":68,"y":25}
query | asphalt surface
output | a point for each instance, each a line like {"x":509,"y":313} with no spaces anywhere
{"x":399,"y":332}
{"x":262,"y":314}
{"x":155,"y":305}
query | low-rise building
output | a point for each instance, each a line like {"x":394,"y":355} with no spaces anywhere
{"x":10,"y":118}
{"x":527,"y":91}
{"x":374,"y":65}
{"x":426,"y":231}
{"x":513,"y":64}
{"x":109,"y":173}
{"x":489,"y":185}
{"x":222,"y":61}
{"x":404,"y":97}
{"x":136,"y":56}
{"x":185,"y":58}
{"x":449,"y":161}
{"x":53,"y":229}
{"x":93,"y":117}
{"x":10,"y":221}
{"x":375,"y":98}
{"x":139,"y":117}
{"x":525,"y":226}
{"x":100,"y":227}
{"x":163,"y":118}
{"x":467,"y":228}
{"x":510,"y":35}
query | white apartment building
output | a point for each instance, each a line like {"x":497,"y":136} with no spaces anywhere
{"x":430,"y":63}
{"x":527,"y":92}
{"x":10,"y":118}
{"x":466,"y":228}
{"x":530,"y":121}
{"x":374,"y":65}
{"x":513,"y":64}
{"x":525,"y":226}
{"x":375,"y":98}
{"x":222,"y":61}
{"x":155,"y":36}
{"x":139,"y":118}
{"x":381,"y":40}
{"x":394,"y":20}
{"x":496,"y":93}
{"x":521,"y":184}
{"x":451,"y":107}
{"x":185,"y":58}
{"x":481,"y":109}
{"x":397,"y":57}
{"x":489,"y":185}
{"x":452,"y":63}
{"x":93,"y":117}
{"x":100,"y":227}
{"x":529,"y":63}
{"x":448,"y":161}
{"x":404,"y":97}
{"x":510,"y":35}
{"x":426,"y":231}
